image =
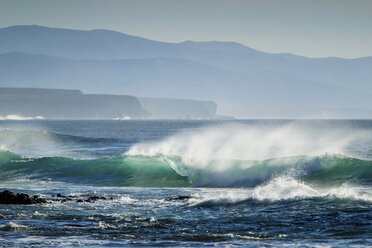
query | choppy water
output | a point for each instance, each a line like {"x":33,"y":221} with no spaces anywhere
{"x":250,"y":183}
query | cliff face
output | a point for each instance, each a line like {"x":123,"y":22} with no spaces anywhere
{"x":162,"y":108}
{"x":67,"y":104}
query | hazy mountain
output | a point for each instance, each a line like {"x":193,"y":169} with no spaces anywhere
{"x":243,"y":81}
{"x":175,"y":78}
{"x":162,"y":77}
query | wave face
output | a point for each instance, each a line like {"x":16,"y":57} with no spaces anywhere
{"x":109,"y":171}
{"x":163,"y":171}
{"x":228,"y":155}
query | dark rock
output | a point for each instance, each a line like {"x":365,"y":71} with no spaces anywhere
{"x":65,"y":198}
{"x":8,"y":197}
{"x":95,"y":198}
{"x":178,"y":198}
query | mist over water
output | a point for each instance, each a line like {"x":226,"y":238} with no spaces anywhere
{"x":247,"y":142}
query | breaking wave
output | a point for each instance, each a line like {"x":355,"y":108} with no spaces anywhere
{"x":163,"y":171}
{"x":273,"y":164}
{"x":284,"y":189}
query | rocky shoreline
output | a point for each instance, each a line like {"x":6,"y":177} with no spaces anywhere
{"x":8,"y":197}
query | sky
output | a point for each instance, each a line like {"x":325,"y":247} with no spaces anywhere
{"x":312,"y":28}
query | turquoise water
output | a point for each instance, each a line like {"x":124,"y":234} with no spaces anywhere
{"x":188,"y":183}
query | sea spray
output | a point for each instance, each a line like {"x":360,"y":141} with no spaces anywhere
{"x":230,"y":142}
{"x":37,"y":143}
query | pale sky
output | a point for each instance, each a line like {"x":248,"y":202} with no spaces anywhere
{"x":313,"y":28}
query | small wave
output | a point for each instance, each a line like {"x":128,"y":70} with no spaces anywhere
{"x":283,"y":189}
{"x":39,"y":136}
{"x":20,"y":118}
{"x":288,"y":188}
{"x":12,"y":226}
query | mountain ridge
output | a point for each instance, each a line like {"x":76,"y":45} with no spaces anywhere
{"x":227,"y":72}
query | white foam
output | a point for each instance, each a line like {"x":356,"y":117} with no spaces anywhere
{"x":280,"y":189}
{"x":218,"y":197}
{"x":283,"y":188}
{"x":4,"y":148}
{"x":104,"y":225}
{"x":12,"y":226}
{"x":350,"y":192}
{"x":20,"y":118}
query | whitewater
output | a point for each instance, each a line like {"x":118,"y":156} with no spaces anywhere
{"x":188,"y":183}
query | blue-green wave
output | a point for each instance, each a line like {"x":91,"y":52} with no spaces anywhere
{"x":162,"y":171}
{"x":38,"y":136}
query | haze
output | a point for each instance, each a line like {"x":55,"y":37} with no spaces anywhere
{"x":206,"y":58}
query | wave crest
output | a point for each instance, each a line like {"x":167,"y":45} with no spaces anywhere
{"x":221,"y":144}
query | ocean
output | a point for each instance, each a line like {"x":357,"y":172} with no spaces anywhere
{"x":187,"y":183}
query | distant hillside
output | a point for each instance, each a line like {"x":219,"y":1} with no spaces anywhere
{"x":73,"y":104}
{"x":101,"y":44}
{"x":161,"y":77}
{"x":67,"y":104}
{"x":243,"y":81}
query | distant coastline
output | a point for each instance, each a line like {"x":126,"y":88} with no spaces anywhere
{"x":39,"y":103}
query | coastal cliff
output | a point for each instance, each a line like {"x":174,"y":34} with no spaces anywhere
{"x":67,"y":104}
{"x":73,"y":104}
